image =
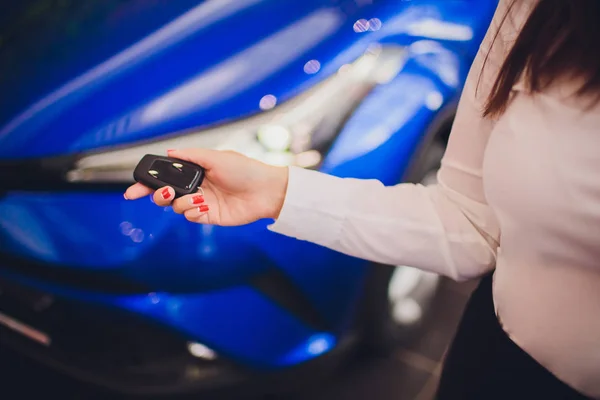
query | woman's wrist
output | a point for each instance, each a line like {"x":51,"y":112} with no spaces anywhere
{"x":276,"y":190}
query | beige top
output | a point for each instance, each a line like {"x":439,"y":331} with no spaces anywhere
{"x":521,"y":195}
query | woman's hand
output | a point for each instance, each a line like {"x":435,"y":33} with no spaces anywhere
{"x":237,"y":190}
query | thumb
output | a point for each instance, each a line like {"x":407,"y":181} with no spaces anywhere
{"x":205,"y":158}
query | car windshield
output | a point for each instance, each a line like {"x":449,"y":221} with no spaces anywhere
{"x":44,"y":43}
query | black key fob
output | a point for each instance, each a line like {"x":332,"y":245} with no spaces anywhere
{"x":158,"y":171}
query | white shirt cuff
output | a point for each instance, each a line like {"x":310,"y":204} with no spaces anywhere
{"x":315,"y":207}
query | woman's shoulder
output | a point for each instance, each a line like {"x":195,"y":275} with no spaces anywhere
{"x":508,"y":21}
{"x":510,"y":17}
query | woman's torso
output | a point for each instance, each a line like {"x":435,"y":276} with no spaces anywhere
{"x":542,"y":178}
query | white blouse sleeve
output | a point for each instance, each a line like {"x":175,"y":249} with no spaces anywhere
{"x":447,"y":228}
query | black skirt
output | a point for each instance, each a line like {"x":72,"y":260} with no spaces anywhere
{"x":483,"y":363}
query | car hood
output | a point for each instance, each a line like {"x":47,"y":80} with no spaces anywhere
{"x":77,"y":76}
{"x":100,"y":73}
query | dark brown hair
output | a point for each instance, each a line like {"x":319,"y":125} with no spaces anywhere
{"x":560,"y":40}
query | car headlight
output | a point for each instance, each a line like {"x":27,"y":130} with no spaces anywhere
{"x":297,"y":132}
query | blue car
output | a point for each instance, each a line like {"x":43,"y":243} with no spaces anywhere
{"x":131,"y":296}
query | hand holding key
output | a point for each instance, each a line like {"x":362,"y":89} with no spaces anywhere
{"x":236,"y":190}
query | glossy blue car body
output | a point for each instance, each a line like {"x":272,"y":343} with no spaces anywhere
{"x":89,"y":87}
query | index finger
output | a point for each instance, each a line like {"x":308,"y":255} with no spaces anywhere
{"x":137,"y":191}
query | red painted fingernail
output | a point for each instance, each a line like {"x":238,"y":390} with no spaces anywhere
{"x":203,"y":208}
{"x":165,"y":194}
{"x":170,"y":150}
{"x":197,"y":199}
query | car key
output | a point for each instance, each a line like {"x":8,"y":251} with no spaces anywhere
{"x":159,"y":171}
